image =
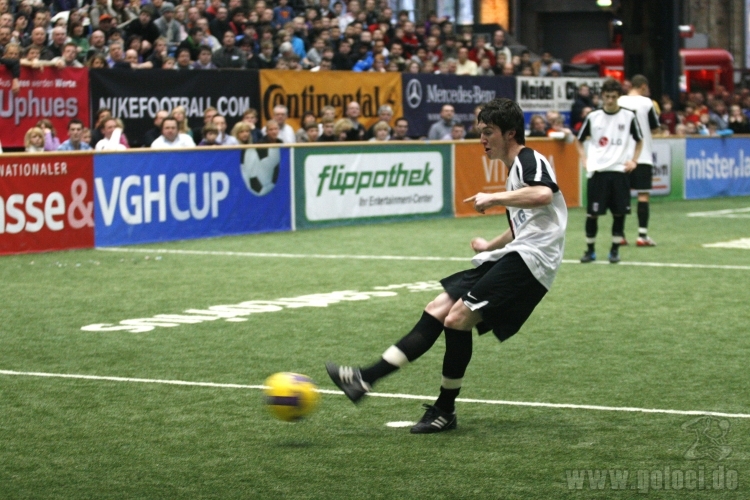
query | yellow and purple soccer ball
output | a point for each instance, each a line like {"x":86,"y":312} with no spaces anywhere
{"x":290,"y":396}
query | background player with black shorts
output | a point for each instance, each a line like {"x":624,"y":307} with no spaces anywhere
{"x":609,"y":157}
{"x":512,"y":272}
{"x":641,"y":179}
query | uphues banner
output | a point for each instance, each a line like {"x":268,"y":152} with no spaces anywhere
{"x":342,"y":185}
{"x":314,"y":90}
{"x":46,"y":203}
{"x":161,"y":196}
{"x":136,"y":96}
{"x":56,"y":94}
{"x":717,"y":167}
{"x":425,"y":95}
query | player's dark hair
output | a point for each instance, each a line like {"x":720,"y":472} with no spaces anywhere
{"x":638,"y":81}
{"x":506,"y":114}
{"x":611,"y":85}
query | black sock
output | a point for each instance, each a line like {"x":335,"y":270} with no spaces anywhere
{"x":417,"y":342}
{"x":458,"y":345}
{"x":643,"y":212}
{"x":592,"y":227}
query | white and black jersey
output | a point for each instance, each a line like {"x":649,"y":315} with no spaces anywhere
{"x":648,"y":120}
{"x":538,"y":233}
{"x":609,"y":145}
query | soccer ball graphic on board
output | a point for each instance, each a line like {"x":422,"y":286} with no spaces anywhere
{"x":260,"y":169}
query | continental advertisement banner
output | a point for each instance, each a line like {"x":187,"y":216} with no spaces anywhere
{"x":336,"y":186}
{"x":474,"y":173}
{"x":337,"y":89}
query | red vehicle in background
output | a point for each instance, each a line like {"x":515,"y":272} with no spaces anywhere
{"x":703,"y":69}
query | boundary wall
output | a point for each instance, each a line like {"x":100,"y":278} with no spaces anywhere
{"x":59,"y":201}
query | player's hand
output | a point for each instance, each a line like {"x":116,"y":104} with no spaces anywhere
{"x":479,"y":245}
{"x":482,"y":201}
{"x":630,"y":166}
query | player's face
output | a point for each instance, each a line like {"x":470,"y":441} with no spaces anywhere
{"x":495,"y":143}
{"x":609,"y":101}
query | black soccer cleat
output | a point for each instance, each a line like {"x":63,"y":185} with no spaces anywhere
{"x":614,"y":258}
{"x":435,"y":420}
{"x":349,"y":380}
{"x":588,"y":257}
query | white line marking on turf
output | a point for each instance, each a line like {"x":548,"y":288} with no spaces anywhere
{"x":393,"y":257}
{"x":401,"y":423}
{"x":381,"y":395}
{"x":742,"y":244}
{"x":730,"y":213}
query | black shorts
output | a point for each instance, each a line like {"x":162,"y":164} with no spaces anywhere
{"x":642,"y":178}
{"x":608,"y":190}
{"x":504,"y":292}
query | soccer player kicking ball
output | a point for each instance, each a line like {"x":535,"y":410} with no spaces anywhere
{"x":512,"y":272}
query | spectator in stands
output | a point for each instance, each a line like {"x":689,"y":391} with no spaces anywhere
{"x":204,"y":59}
{"x":543,"y":66}
{"x":34,"y":140}
{"x":219,"y":24}
{"x":99,"y":9}
{"x":55,"y":49}
{"x":210,"y":134}
{"x":474,"y":132}
{"x":168,"y":27}
{"x":717,"y":111}
{"x":498,"y":45}
{"x":286,"y":132}
{"x":282,"y":14}
{"x":341,"y":129}
{"x":582,"y":100}
{"x":381,"y":132}
{"x":250,"y":116}
{"x":385,"y":115}
{"x":537,"y":126}
{"x":242,"y":133}
{"x":442,"y":127}
{"x":265,"y":58}
{"x":223,"y":138}
{"x":555,"y":69}
{"x":69,"y":58}
{"x":183,"y":60}
{"x":668,"y":116}
{"x":208,"y":116}
{"x":194,"y":41}
{"x":458,"y":133}
{"x":97,"y":61}
{"x":465,"y":65}
{"x":116,"y":54}
{"x":396,"y":54}
{"x":228,"y":56}
{"x":400,"y":130}
{"x":738,"y":122}
{"x":113,"y":138}
{"x":171,"y":137}
{"x":144,"y":27}
{"x":75,"y":138}
{"x":271,"y":135}
{"x":179,"y":113}
{"x":98,"y":45}
{"x":559,"y":131}
{"x":353,"y":112}
{"x":155,"y":132}
{"x":307,"y":118}
{"x":327,"y":134}
{"x":51,"y":141}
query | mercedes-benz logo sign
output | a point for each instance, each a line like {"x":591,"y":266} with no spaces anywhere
{"x":414,"y":93}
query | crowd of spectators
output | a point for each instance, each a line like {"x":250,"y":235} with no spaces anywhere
{"x":297,"y":35}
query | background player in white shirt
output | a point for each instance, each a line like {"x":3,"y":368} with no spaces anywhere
{"x":641,"y":179}
{"x":513,"y":271}
{"x":609,"y":157}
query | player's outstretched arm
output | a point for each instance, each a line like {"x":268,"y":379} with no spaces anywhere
{"x":482,"y":245}
{"x":526,"y":197}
